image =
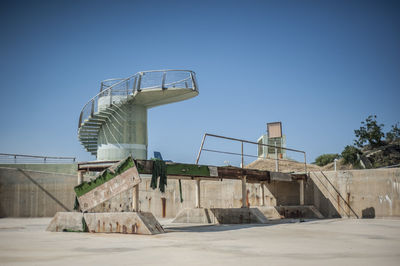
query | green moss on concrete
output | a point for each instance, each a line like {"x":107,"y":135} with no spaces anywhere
{"x":187,"y":169}
{"x":104,"y":177}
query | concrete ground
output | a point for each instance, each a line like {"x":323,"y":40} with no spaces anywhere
{"x":318,"y":242}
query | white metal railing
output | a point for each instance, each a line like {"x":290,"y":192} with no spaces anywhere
{"x":144,"y":80}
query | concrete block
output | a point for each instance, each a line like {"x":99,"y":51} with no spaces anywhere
{"x":270,"y":212}
{"x":221,"y":216}
{"x":66,"y":221}
{"x":304,"y":211}
{"x":195,"y":215}
{"x":123,"y":222}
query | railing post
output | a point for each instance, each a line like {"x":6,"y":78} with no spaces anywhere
{"x":139,"y":82}
{"x":127,"y":87}
{"x":242,"y":163}
{"x":92,"y":111}
{"x":201,"y":148}
{"x":163,"y":81}
{"x":134,"y":85}
{"x":80,"y":120}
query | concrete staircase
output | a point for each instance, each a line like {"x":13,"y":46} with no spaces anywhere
{"x":115,"y":120}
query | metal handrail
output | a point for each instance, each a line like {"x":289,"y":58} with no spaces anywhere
{"x":45,"y":159}
{"x":242,"y":154}
{"x":137,"y":86}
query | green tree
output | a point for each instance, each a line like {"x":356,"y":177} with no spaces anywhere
{"x":370,"y":132}
{"x":324,"y":159}
{"x":394,"y":133}
{"x":350,"y":155}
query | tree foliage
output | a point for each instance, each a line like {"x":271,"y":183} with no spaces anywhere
{"x":393,"y":134}
{"x":370,"y":132}
{"x":324,"y":159}
{"x":350,"y":155}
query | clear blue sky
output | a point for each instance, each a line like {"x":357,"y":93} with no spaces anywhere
{"x":320,"y":67}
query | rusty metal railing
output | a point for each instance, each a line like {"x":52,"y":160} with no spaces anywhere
{"x":242,"y":141}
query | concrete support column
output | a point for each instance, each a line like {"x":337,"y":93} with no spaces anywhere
{"x":80,"y":177}
{"x":198,"y":203}
{"x":135,"y":198}
{"x":244,"y":192}
{"x":262,"y":194}
{"x":301,"y":183}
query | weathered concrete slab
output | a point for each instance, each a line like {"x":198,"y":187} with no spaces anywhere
{"x":66,"y":221}
{"x":123,"y":222}
{"x":278,"y":176}
{"x":270,"y":212}
{"x":305,"y":211}
{"x":221,"y":216}
{"x":109,"y":189}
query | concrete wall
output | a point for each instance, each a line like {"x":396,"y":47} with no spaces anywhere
{"x":46,"y":167}
{"x":369,"y":193}
{"x":21,"y":197}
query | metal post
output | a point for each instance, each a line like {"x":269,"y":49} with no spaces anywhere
{"x":305,"y":164}
{"x":242,"y":165}
{"x":110,"y":93}
{"x":334,"y":164}
{"x":163,"y":81}
{"x":135,"y":198}
{"x":244,"y":192}
{"x":201,"y":147}
{"x":92,"y":111}
{"x":198,"y":202}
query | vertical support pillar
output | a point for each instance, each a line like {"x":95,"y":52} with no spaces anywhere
{"x":198,"y":202}
{"x":80,"y":177}
{"x":262,"y":194}
{"x":244,"y":192}
{"x":301,"y":192}
{"x":135,"y":198}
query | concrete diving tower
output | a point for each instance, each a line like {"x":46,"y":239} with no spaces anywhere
{"x":113,"y":124}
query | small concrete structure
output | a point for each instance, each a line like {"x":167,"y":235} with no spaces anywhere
{"x":67,"y":221}
{"x":143,"y":223}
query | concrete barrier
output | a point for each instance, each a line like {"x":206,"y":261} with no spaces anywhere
{"x":355,"y":193}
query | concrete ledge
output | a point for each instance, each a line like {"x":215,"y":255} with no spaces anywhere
{"x":66,"y":221}
{"x":123,"y":222}
{"x":221,"y":216}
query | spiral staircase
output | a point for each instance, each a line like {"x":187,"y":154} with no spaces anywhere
{"x":113,"y":124}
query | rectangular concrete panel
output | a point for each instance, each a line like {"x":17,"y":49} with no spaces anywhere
{"x":123,"y":222}
{"x":111,"y":188}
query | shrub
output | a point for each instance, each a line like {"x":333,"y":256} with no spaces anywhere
{"x":324,"y":159}
{"x":350,"y":155}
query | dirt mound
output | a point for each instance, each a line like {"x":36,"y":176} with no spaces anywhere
{"x":284,"y":165}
